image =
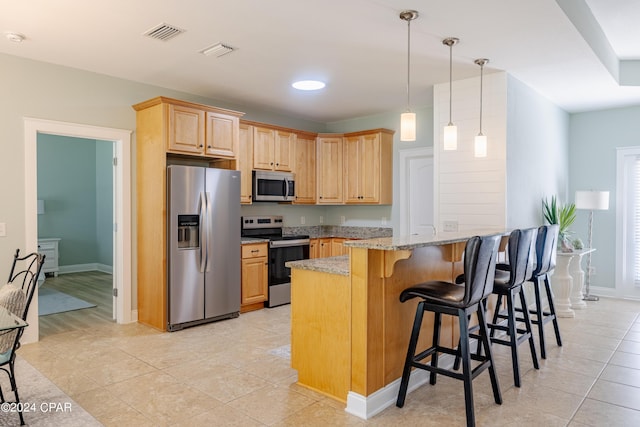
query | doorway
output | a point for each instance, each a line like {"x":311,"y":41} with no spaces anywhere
{"x":416,"y":191}
{"x":122,"y":206}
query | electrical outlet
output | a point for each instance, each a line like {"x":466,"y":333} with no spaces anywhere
{"x":3,"y":229}
{"x":321,"y":219}
{"x":450,"y":226}
{"x":302,"y":220}
{"x":384,"y":220}
{"x":342,"y":219}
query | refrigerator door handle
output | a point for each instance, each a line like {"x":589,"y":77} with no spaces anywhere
{"x":203,"y":232}
{"x":209,"y":227}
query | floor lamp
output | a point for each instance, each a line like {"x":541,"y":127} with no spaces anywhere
{"x":591,"y":200}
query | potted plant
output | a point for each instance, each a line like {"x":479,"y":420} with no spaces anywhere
{"x":562,"y":214}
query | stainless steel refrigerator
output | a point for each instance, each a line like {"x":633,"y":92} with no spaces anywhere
{"x":204,"y":245}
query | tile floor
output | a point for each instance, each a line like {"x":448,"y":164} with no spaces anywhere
{"x":236,"y":373}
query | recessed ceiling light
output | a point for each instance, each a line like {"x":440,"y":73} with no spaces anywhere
{"x":14,"y":37}
{"x":308,"y":85}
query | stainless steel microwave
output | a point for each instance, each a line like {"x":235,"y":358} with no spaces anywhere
{"x":273,"y":186}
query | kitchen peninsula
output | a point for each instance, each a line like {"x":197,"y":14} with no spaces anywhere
{"x":349,"y":331}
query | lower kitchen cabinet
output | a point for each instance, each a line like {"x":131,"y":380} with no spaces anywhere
{"x":255,"y":276}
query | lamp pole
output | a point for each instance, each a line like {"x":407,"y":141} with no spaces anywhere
{"x":587,"y":296}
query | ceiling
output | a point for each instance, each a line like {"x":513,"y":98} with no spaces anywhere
{"x":359,"y":47}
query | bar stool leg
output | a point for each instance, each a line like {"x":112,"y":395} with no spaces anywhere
{"x":411,"y":350}
{"x":496,"y":314}
{"x":552,"y":309}
{"x":435,"y":343}
{"x":513,"y":337}
{"x":540,"y":317}
{"x":484,"y":340}
{"x":465,"y":355}
{"x":529,"y":329}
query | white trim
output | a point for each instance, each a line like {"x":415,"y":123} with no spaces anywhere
{"x":620,"y":252}
{"x":405,"y":156}
{"x":122,"y":263}
{"x":80,"y":268}
{"x":366,"y":407}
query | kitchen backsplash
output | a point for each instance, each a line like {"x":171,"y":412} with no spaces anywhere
{"x":339,"y":231}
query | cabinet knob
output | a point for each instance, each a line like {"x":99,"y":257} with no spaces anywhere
{"x":271,"y":163}
{"x":321,"y":197}
{"x":200,"y":145}
{"x":277,"y":164}
{"x":208,"y":146}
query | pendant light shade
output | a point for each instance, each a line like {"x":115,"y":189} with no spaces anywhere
{"x":408,"y":126}
{"x":450,"y":130}
{"x":408,"y":119}
{"x":480,"y":146}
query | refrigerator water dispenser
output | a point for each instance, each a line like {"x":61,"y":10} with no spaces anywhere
{"x":188,"y":231}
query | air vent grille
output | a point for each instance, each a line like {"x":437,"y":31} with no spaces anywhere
{"x":163,"y":32}
{"x":218,"y":50}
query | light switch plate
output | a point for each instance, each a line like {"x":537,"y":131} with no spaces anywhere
{"x":3,"y":229}
{"x":450,"y":226}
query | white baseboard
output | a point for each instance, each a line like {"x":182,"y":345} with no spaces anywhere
{"x":366,"y":407}
{"x":79,"y":268}
{"x":134,"y":316}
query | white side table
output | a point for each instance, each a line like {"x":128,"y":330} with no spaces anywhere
{"x":49,"y":248}
{"x":567,"y":286}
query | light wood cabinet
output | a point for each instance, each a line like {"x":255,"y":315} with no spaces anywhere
{"x":329,"y":169}
{"x":255,"y":276}
{"x":273,"y":149}
{"x":324,"y":249}
{"x":314,"y":248}
{"x":201,"y":130}
{"x":305,"y":169}
{"x":368,"y":167}
{"x":337,"y":247}
{"x":221,"y":136}
{"x":167,"y":129}
{"x":245,"y":162}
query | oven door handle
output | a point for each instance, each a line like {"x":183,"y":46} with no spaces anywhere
{"x":288,"y":243}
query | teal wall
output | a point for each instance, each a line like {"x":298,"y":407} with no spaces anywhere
{"x":594,"y":137}
{"x":537,"y":154}
{"x":75,"y":181}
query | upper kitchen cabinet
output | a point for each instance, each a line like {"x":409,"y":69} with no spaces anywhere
{"x":304,"y":168}
{"x":329,"y":169}
{"x":273,"y":148}
{"x":245,"y":162}
{"x":196,"y":129}
{"x":368,"y":167}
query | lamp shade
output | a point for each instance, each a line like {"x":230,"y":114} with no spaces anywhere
{"x":480,"y":149}
{"x":408,"y":126}
{"x":40,"y":206}
{"x":451,"y":137}
{"x":592,"y":200}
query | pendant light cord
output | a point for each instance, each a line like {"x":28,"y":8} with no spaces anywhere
{"x":481,"y":75}
{"x":408,"y":64}
{"x":450,"y":80}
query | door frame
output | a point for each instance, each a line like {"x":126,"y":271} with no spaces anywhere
{"x":405,"y":157}
{"x":122,"y":201}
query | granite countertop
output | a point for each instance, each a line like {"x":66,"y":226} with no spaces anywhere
{"x":250,"y":240}
{"x":420,"y":240}
{"x":347,"y":232}
{"x":333,"y":265}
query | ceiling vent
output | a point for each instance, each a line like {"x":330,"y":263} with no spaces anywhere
{"x":218,"y":50}
{"x":163,"y":32}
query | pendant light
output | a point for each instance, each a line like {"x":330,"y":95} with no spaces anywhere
{"x":480,"y":146}
{"x":450,"y":130}
{"x":408,"y":119}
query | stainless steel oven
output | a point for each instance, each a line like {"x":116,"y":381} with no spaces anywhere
{"x":282,"y":249}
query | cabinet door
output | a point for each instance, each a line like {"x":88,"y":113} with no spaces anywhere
{"x":314,"y":248}
{"x":284,"y":146}
{"x":305,"y":170}
{"x":325,"y":248}
{"x":254,"y":280}
{"x":186,"y":129}
{"x":245,"y":162}
{"x":369,"y":168}
{"x":263,"y":148}
{"x":329,"y":162}
{"x":221,"y":135}
{"x":337,"y":247}
{"x":351,"y":171}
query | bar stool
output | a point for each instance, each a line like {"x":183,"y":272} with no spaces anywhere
{"x":448,"y":298}
{"x":546,"y":244}
{"x":508,"y":282}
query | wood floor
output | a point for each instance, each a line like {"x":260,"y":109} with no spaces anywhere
{"x":92,"y":286}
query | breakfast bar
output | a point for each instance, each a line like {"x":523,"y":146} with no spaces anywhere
{"x":349,"y":331}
